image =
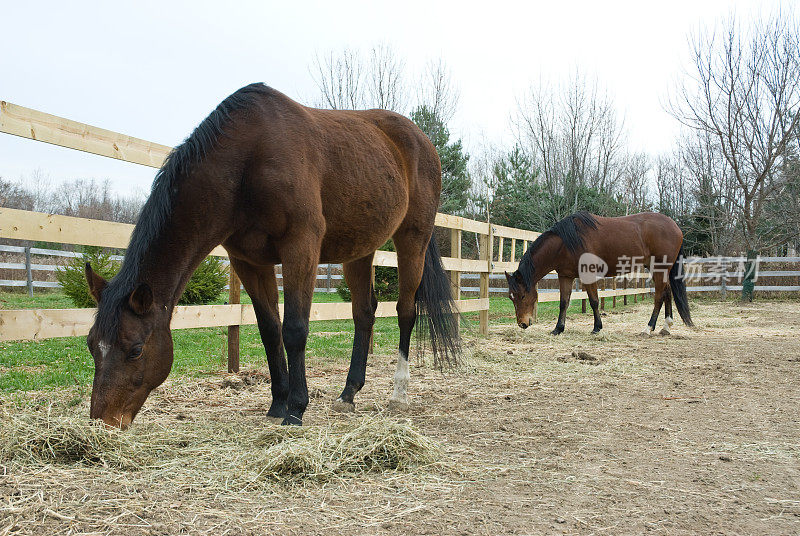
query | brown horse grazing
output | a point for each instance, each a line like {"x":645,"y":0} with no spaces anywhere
{"x":276,"y":182}
{"x":589,"y":247}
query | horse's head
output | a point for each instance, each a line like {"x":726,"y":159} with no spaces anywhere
{"x":131,"y":360}
{"x":524,"y":298}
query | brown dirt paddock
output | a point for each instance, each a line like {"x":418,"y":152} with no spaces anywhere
{"x":698,"y":432}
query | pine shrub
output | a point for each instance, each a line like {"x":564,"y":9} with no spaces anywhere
{"x":205,"y":285}
{"x":72,"y":276}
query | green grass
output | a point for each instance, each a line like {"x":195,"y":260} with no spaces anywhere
{"x":54,"y":363}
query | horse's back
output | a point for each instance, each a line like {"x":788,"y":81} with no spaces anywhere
{"x":356,"y":176}
{"x":643,"y":235}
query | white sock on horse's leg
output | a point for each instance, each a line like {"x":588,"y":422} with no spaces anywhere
{"x":399,"y":398}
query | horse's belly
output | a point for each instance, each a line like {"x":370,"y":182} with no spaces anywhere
{"x":345,"y":244}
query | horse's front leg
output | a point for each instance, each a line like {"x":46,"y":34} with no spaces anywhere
{"x":565,"y":291}
{"x":261,"y":286}
{"x":358,"y":277}
{"x":299,"y":277}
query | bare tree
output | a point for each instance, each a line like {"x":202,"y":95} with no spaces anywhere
{"x":635,"y":188}
{"x":672,"y":185}
{"x":437,"y":92}
{"x":12,"y":195}
{"x":339,"y":78}
{"x":385,"y":86}
{"x":575,"y":137}
{"x":346,"y":80}
{"x":744,"y":93}
{"x":714,"y":192}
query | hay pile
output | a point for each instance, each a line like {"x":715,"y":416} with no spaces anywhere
{"x":217,"y":451}
{"x":45,"y":438}
{"x":365,"y":445}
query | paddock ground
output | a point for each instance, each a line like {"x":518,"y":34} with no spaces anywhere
{"x":697,"y":432}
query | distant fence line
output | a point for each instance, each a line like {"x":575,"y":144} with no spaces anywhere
{"x":330,"y":276}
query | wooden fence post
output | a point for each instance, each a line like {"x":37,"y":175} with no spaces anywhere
{"x":234,"y":294}
{"x":625,"y":287}
{"x":372,"y":333}
{"x":329,"y":279}
{"x":614,"y":299}
{"x":485,"y":243}
{"x":455,"y":275}
{"x":603,"y":299}
{"x":723,"y":284}
{"x":29,"y":271}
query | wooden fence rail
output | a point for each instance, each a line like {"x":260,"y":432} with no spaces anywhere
{"x":32,"y":226}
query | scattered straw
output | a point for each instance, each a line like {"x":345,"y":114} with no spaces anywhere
{"x":371,"y":444}
{"x":367,"y":445}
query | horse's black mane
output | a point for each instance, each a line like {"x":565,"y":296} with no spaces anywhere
{"x":570,"y":230}
{"x":158,"y":208}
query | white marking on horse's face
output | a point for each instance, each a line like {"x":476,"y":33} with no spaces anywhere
{"x":104,"y":348}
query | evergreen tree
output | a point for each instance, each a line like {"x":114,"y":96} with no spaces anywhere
{"x":456,"y":181}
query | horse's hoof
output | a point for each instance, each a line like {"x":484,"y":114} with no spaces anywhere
{"x":398,"y":404}
{"x":292,"y":420}
{"x":277,"y":411}
{"x":342,"y":406}
{"x":596,"y":332}
{"x":556,"y":332}
{"x":647,"y":333}
{"x":664,"y":332}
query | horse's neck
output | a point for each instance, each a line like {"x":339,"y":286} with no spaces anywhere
{"x":169,"y":261}
{"x":544,"y":257}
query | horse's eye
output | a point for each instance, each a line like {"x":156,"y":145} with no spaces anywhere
{"x":135,"y":353}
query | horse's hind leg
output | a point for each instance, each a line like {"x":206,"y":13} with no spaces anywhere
{"x":658,"y":300}
{"x":262,"y":287}
{"x":410,"y":245}
{"x":591,"y":293}
{"x":668,"y":321}
{"x":358,"y":277}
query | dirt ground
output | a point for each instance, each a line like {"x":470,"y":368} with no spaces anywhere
{"x":697,"y":432}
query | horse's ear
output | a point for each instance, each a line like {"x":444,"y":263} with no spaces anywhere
{"x":96,"y":282}
{"x":509,"y":278}
{"x":141,"y":300}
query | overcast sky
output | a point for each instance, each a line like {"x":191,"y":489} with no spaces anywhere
{"x":155,"y":69}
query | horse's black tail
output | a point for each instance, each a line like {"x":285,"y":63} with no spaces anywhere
{"x":437,"y":313}
{"x":677,"y":283}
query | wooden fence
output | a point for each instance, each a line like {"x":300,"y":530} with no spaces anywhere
{"x":37,"y":324}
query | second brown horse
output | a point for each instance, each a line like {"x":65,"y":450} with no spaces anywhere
{"x":590,"y":247}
